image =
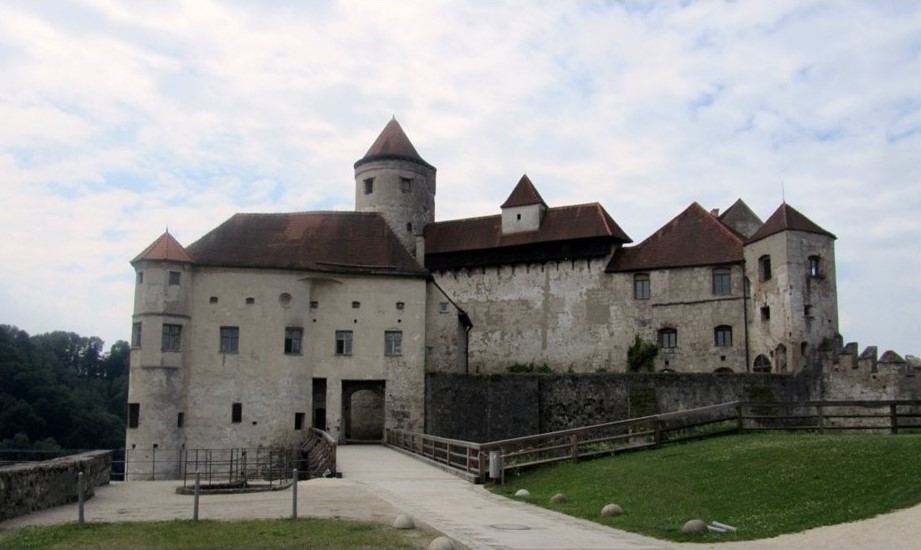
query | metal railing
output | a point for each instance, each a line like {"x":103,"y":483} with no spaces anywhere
{"x":239,"y":468}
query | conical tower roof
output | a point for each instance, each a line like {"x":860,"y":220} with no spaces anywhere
{"x":392,"y":144}
{"x":787,"y":218}
{"x":524,"y":194}
{"x":165,"y":248}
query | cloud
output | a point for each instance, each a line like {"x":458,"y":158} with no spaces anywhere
{"x":121,"y":119}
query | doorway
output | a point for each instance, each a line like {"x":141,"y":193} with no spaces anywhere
{"x":363,"y":411}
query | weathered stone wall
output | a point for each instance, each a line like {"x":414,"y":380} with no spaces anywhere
{"x":34,"y":486}
{"x":848,"y":375}
{"x":488,"y":408}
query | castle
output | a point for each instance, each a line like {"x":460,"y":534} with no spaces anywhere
{"x":272,"y":323}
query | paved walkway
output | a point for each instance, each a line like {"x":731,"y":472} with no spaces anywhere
{"x":378,"y":484}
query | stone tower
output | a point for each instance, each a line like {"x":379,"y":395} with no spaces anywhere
{"x":392,"y":179}
{"x":790,"y":266}
{"x":162,"y":315}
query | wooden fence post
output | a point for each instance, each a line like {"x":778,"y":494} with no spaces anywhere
{"x":740,"y":420}
{"x":820,"y":412}
{"x":574,"y":442}
{"x":658,"y":432}
{"x":894,"y":418}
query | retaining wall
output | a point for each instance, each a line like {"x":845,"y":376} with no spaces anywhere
{"x":485,"y":408}
{"x":34,"y":486}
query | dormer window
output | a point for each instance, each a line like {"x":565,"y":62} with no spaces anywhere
{"x":369,"y":186}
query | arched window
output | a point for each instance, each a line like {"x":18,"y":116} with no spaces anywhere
{"x":722,"y":282}
{"x":815,"y":265}
{"x":762,"y":364}
{"x":641,"y":289}
{"x":668,"y":338}
{"x":722,"y":336}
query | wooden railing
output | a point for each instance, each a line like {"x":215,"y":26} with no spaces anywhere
{"x":321,"y":454}
{"x":823,"y":416}
{"x":471,"y":460}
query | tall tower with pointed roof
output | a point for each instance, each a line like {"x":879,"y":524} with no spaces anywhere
{"x":393,"y":180}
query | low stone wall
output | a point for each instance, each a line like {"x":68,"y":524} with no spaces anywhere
{"x":34,"y":486}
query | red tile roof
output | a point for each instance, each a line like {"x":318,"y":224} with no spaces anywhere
{"x":341,"y":242}
{"x":392,"y":143}
{"x":693,"y":238}
{"x":524,"y":194}
{"x":563,"y":223}
{"x":165,"y":248}
{"x":787,"y":218}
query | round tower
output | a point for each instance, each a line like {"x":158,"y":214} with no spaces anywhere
{"x":393,"y":180}
{"x":160,"y":330}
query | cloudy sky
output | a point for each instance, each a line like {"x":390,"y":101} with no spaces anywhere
{"x":120,"y":119}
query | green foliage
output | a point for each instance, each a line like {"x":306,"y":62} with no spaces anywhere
{"x":268,"y":534}
{"x":529,"y":368}
{"x":763,"y":484}
{"x":59,"y":390}
{"x":640,"y":355}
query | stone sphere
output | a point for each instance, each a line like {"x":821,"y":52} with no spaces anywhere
{"x":404,"y":521}
{"x":442,"y":543}
{"x":558,"y":498}
{"x":694,"y":526}
{"x":611,"y":510}
{"x":522,"y":493}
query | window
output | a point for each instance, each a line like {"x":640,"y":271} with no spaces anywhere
{"x":409,"y":226}
{"x":314,"y":304}
{"x":356,"y":305}
{"x":765,"y":313}
{"x":171,"y":337}
{"x":250,"y":301}
{"x":343,"y":342}
{"x":668,"y":338}
{"x":641,"y":286}
{"x":722,"y":282}
{"x":230,"y":339}
{"x":298,"y":421}
{"x":406,"y":185}
{"x":722,"y":336}
{"x":764,"y":267}
{"x":293,"y":337}
{"x":400,"y":306}
{"x":140,"y":277}
{"x":212,"y":300}
{"x":136,"y":335}
{"x":180,"y":420}
{"x":442,"y":307}
{"x":174,"y":277}
{"x":393,"y":343}
{"x":134,"y":414}
{"x":236,"y":413}
{"x":762,"y":364}
{"x":814,"y":267}
{"x":369,"y":186}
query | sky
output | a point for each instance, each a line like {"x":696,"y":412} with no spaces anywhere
{"x":119,"y":120}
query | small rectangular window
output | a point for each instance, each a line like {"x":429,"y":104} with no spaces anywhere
{"x":406,"y":185}
{"x":140,"y":277}
{"x":668,"y":338}
{"x":641,"y":287}
{"x":722,"y":336}
{"x":134,"y":415}
{"x":236,"y":413}
{"x":764,"y":267}
{"x":293,"y":338}
{"x":314,"y":304}
{"x":442,"y":307}
{"x":298,"y":421}
{"x":765,"y":313}
{"x":393,"y":343}
{"x":814,"y":267}
{"x":174,"y":277}
{"x":180,"y":420}
{"x":172,"y":336}
{"x":136,"y":335}
{"x":722,"y":282}
{"x":343,"y":342}
{"x":369,"y":186}
{"x":230,"y":339}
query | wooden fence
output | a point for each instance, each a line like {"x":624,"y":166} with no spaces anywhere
{"x":471,"y":460}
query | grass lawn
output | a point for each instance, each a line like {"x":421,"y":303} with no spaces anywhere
{"x":266,"y":534}
{"x":763,"y":484}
